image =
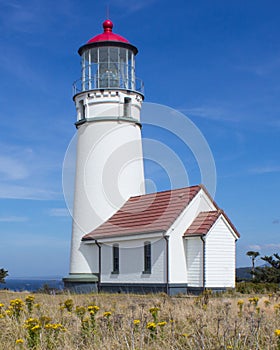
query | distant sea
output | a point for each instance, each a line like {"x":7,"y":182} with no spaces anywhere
{"x":32,"y":284}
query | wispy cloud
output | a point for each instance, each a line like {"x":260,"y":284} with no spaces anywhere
{"x":12,"y":168}
{"x":8,"y":191}
{"x":13,"y":219}
{"x":265,"y":169}
{"x":265,"y":247}
{"x":26,"y":174}
{"x":261,"y":69}
{"x":254,"y":247}
{"x":61,"y":212}
{"x":23,"y":70}
{"x":211,"y":113}
{"x":133,"y":6}
{"x":272,"y":246}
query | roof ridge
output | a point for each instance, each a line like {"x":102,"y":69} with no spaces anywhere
{"x":164,"y":191}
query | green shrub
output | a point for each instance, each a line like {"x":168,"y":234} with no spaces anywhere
{"x":253,"y":287}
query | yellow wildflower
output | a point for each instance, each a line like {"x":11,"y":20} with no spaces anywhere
{"x":29,"y":298}
{"x":154,"y":309}
{"x":162,"y":324}
{"x":277,"y":332}
{"x":19,"y":341}
{"x":31,"y":323}
{"x":136,"y":322}
{"x":9,"y":313}
{"x":93,"y":308}
{"x":254,"y":300}
{"x":151,"y":326}
{"x":36,"y":328}
{"x":107,"y":314}
{"x":55,"y":327}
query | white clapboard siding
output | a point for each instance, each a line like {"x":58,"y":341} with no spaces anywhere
{"x":220,"y":256}
{"x":194,"y":255}
{"x":178,"y":268}
{"x":131,"y":262}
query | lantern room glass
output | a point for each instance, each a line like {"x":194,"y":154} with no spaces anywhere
{"x":108,"y":67}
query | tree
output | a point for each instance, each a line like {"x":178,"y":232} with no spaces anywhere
{"x":3,"y":275}
{"x":270,"y":274}
{"x":253,"y":255}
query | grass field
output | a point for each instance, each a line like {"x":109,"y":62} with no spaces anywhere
{"x":106,"y":321}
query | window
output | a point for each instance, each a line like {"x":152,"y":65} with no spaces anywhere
{"x":82,"y":109}
{"x":147,"y":258}
{"x":116,"y":254}
{"x":127,"y":107}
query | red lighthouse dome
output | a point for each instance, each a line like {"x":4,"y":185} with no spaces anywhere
{"x":108,"y":34}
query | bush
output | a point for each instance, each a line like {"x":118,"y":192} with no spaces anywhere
{"x":253,"y":287}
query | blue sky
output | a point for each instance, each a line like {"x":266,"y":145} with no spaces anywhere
{"x":216,"y":61}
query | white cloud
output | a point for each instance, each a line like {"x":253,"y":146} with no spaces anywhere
{"x":266,"y":169}
{"x":25,"y":174}
{"x":267,"y":248}
{"x":272,"y":246}
{"x":13,"y":219}
{"x":211,"y":113}
{"x":12,"y":168}
{"x":26,"y":192}
{"x":255,"y":247}
{"x":134,"y":6}
{"x":59,"y":212}
{"x":261,"y":69}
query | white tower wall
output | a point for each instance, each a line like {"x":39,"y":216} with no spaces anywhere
{"x":109,"y":165}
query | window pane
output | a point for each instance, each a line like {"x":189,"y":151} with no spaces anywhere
{"x":115,"y":258}
{"x":147,"y":257}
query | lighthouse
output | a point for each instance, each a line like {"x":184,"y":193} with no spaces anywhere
{"x":109,"y":159}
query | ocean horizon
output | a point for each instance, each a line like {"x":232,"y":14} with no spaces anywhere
{"x":32,"y":284}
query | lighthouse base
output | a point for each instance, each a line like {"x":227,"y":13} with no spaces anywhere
{"x":81,"y":283}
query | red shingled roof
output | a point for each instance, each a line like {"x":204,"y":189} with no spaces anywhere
{"x":204,"y":221}
{"x":148,"y":213}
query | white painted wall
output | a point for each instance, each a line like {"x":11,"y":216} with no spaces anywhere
{"x":220,"y":256}
{"x":177,"y":253}
{"x":194,"y":254}
{"x":131,"y":264}
{"x":109,"y":168}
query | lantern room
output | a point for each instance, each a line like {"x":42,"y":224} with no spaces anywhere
{"x":108,"y":62}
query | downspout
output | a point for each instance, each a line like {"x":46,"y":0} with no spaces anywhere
{"x":167,"y":263}
{"x":99,"y":265}
{"x":203,"y":262}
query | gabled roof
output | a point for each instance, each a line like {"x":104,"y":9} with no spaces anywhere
{"x":148,"y":213}
{"x":204,"y":221}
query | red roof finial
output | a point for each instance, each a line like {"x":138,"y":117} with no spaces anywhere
{"x":107,"y":35}
{"x":108,"y":26}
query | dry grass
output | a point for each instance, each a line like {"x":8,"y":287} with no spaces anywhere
{"x":151,"y":322}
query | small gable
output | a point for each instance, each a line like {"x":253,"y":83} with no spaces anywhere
{"x":204,"y":222}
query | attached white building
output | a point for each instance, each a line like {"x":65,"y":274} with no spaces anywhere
{"x":123,"y":239}
{"x":172,"y":241}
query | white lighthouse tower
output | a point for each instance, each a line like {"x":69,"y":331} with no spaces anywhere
{"x":109,"y":163}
